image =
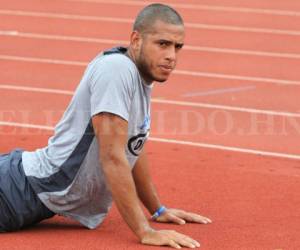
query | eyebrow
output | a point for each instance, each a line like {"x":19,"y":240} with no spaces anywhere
{"x":177,"y":45}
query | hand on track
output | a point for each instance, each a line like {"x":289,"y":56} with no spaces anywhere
{"x":181,"y":217}
{"x":168,"y":238}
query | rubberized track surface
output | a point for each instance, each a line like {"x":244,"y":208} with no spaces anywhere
{"x":225,"y":127}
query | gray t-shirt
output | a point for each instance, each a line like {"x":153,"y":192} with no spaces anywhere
{"x":67,"y":175}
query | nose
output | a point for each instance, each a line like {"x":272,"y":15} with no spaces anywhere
{"x":171,"y":54}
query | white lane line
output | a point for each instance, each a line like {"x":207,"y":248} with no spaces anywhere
{"x":201,"y":7}
{"x":25,"y":125}
{"x":236,"y":77}
{"x":218,"y":91}
{"x":178,"y":142}
{"x":176,"y":72}
{"x":126,"y":20}
{"x":160,"y":101}
{"x":65,"y":16}
{"x":14,"y":33}
{"x":243,"y":52}
{"x":244,"y":29}
{"x":227,"y":148}
{"x":42,"y":60}
{"x":225,"y":107}
{"x":35,"y":89}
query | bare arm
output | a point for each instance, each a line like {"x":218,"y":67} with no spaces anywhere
{"x":111,"y":132}
{"x":148,"y":195}
{"x":144,"y":185}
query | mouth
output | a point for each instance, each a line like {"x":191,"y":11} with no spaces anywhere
{"x":166,"y":68}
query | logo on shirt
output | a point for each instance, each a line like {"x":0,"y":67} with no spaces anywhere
{"x":146,"y":123}
{"x":136,"y":143}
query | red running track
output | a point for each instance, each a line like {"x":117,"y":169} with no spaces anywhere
{"x":252,"y":199}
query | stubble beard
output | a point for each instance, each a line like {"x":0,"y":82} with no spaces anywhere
{"x":145,"y":68}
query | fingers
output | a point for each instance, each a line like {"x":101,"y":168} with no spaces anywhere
{"x":173,"y":244}
{"x":180,"y":240}
{"x":170,"y":238}
{"x":196,"y":218}
{"x":177,"y":220}
{"x":199,"y":219}
{"x":187,"y":241}
{"x":169,"y":217}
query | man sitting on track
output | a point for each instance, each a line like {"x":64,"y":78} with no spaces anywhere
{"x":95,"y":155}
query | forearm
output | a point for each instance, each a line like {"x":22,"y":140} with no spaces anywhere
{"x":111,"y":132}
{"x":144,"y":185}
{"x":148,"y":195}
{"x":121,"y":184}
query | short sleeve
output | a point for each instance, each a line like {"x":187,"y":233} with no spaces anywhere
{"x":112,"y":86}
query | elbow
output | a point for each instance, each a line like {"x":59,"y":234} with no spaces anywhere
{"x":111,"y":160}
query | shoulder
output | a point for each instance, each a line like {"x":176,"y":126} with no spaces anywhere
{"x":115,"y":64}
{"x":114,"y":71}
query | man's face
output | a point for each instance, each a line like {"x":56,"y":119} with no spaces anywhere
{"x":158,"y":51}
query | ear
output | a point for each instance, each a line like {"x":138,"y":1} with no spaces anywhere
{"x":135,"y":40}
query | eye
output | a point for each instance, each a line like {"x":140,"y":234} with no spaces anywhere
{"x":163,"y":44}
{"x":178,"y":46}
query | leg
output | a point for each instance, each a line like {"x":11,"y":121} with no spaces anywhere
{"x":19,"y":205}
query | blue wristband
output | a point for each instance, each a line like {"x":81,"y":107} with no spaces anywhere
{"x":158,"y":212}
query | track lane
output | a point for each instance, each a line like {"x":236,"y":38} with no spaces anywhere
{"x":277,"y":5}
{"x":41,"y":75}
{"x":226,"y":128}
{"x":194,"y":37}
{"x":247,"y":186}
{"x":204,"y":180}
{"x":207,"y":16}
{"x":220,"y":63}
{"x":190,"y":4}
{"x":67,"y":77}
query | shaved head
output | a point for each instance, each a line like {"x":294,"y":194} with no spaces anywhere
{"x":157,"y":37}
{"x":146,"y":19}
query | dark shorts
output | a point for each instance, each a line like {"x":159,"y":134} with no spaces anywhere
{"x":19,"y":205}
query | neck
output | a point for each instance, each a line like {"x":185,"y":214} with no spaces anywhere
{"x":130,"y":53}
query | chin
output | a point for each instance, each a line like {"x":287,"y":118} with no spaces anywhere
{"x":161,"y":78}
